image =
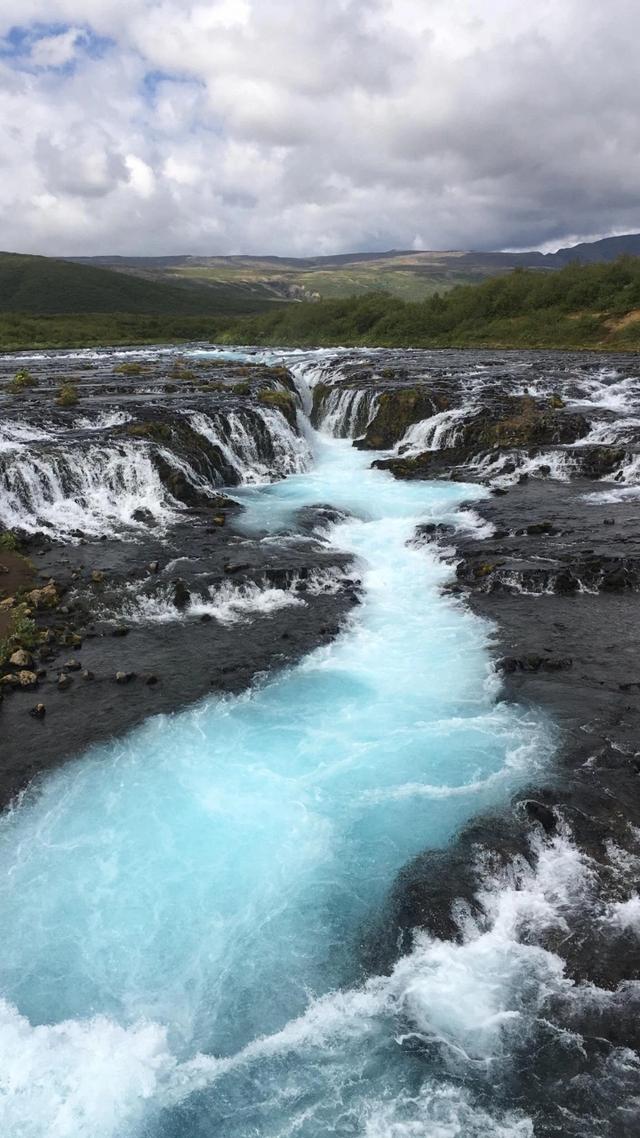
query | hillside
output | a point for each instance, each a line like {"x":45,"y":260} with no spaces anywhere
{"x":579,"y":306}
{"x":407,"y":274}
{"x":44,"y":286}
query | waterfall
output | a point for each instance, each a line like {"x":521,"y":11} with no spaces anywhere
{"x":88,"y":487}
{"x":432,"y":434}
{"x":83,"y":489}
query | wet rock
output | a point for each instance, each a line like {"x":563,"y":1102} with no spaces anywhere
{"x":398,"y":410}
{"x":153,"y":567}
{"x":72,"y":665}
{"x":88,"y":674}
{"x":27,"y":680}
{"x":120,"y":630}
{"x":38,"y":712}
{"x":45,"y":598}
{"x":97,"y":576}
{"x":181,"y":595}
{"x":125,"y":677}
{"x":64,"y":681}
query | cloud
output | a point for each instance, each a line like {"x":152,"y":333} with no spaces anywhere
{"x":289,"y":126}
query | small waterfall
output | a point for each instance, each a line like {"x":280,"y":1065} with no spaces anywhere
{"x":346,"y":411}
{"x":436,"y":433}
{"x":74,"y":490}
{"x":257,"y":443}
{"x":97,"y":487}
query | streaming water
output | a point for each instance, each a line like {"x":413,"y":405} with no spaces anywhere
{"x":181,"y":910}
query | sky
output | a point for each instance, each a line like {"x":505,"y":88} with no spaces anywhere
{"x":298,"y":127}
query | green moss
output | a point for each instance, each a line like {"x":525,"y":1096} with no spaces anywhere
{"x":160,"y":432}
{"x":241,"y":388}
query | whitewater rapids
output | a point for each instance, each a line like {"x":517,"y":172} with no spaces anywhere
{"x":182,"y":909}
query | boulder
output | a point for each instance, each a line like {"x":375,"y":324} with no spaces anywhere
{"x":21,"y":659}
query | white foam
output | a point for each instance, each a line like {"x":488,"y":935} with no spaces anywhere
{"x":436,"y":433}
{"x":78,"y":1079}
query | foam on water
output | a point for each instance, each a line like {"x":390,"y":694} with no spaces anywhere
{"x":181,"y":909}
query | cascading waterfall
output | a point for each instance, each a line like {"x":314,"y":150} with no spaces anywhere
{"x":84,"y":489}
{"x":182,"y":908}
{"x":432,"y":434}
{"x":100,"y":487}
{"x":257,"y":444}
{"x":346,"y":411}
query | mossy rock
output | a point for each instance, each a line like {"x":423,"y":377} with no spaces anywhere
{"x":159,"y":432}
{"x":396,"y":412}
{"x":283,"y":401}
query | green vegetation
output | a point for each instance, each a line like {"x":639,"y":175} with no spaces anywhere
{"x":67,"y":395}
{"x":21,"y":633}
{"x":19,"y":331}
{"x":9,"y":542}
{"x":160,"y":432}
{"x":411,"y":275}
{"x":282,"y":401}
{"x":129,"y":369}
{"x":580,"y":306}
{"x":45,"y":286}
{"x":21,"y":381}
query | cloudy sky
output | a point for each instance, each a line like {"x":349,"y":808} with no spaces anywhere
{"x":316,"y":126}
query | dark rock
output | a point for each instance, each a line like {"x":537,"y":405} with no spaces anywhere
{"x":38,"y":712}
{"x":181,"y":595}
{"x":125,"y":677}
{"x":72,"y":665}
{"x":64,"y":681}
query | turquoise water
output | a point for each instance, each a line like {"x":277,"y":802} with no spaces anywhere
{"x":181,"y":909}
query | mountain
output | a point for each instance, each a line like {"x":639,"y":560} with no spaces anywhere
{"x":411,"y":275}
{"x":607,"y":249}
{"x":47,"y":286}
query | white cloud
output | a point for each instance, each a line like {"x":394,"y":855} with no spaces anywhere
{"x":298,"y":126}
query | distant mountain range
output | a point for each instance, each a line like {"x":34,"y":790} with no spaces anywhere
{"x":405,"y":273}
{"x":195,"y":286}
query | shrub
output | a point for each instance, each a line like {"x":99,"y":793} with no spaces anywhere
{"x":129,"y":369}
{"x":22,"y":633}
{"x":9,"y":542}
{"x":67,"y":395}
{"x":21,"y":381}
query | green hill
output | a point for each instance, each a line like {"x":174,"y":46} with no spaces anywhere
{"x":44,"y":286}
{"x":408,"y":274}
{"x":579,"y":306}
